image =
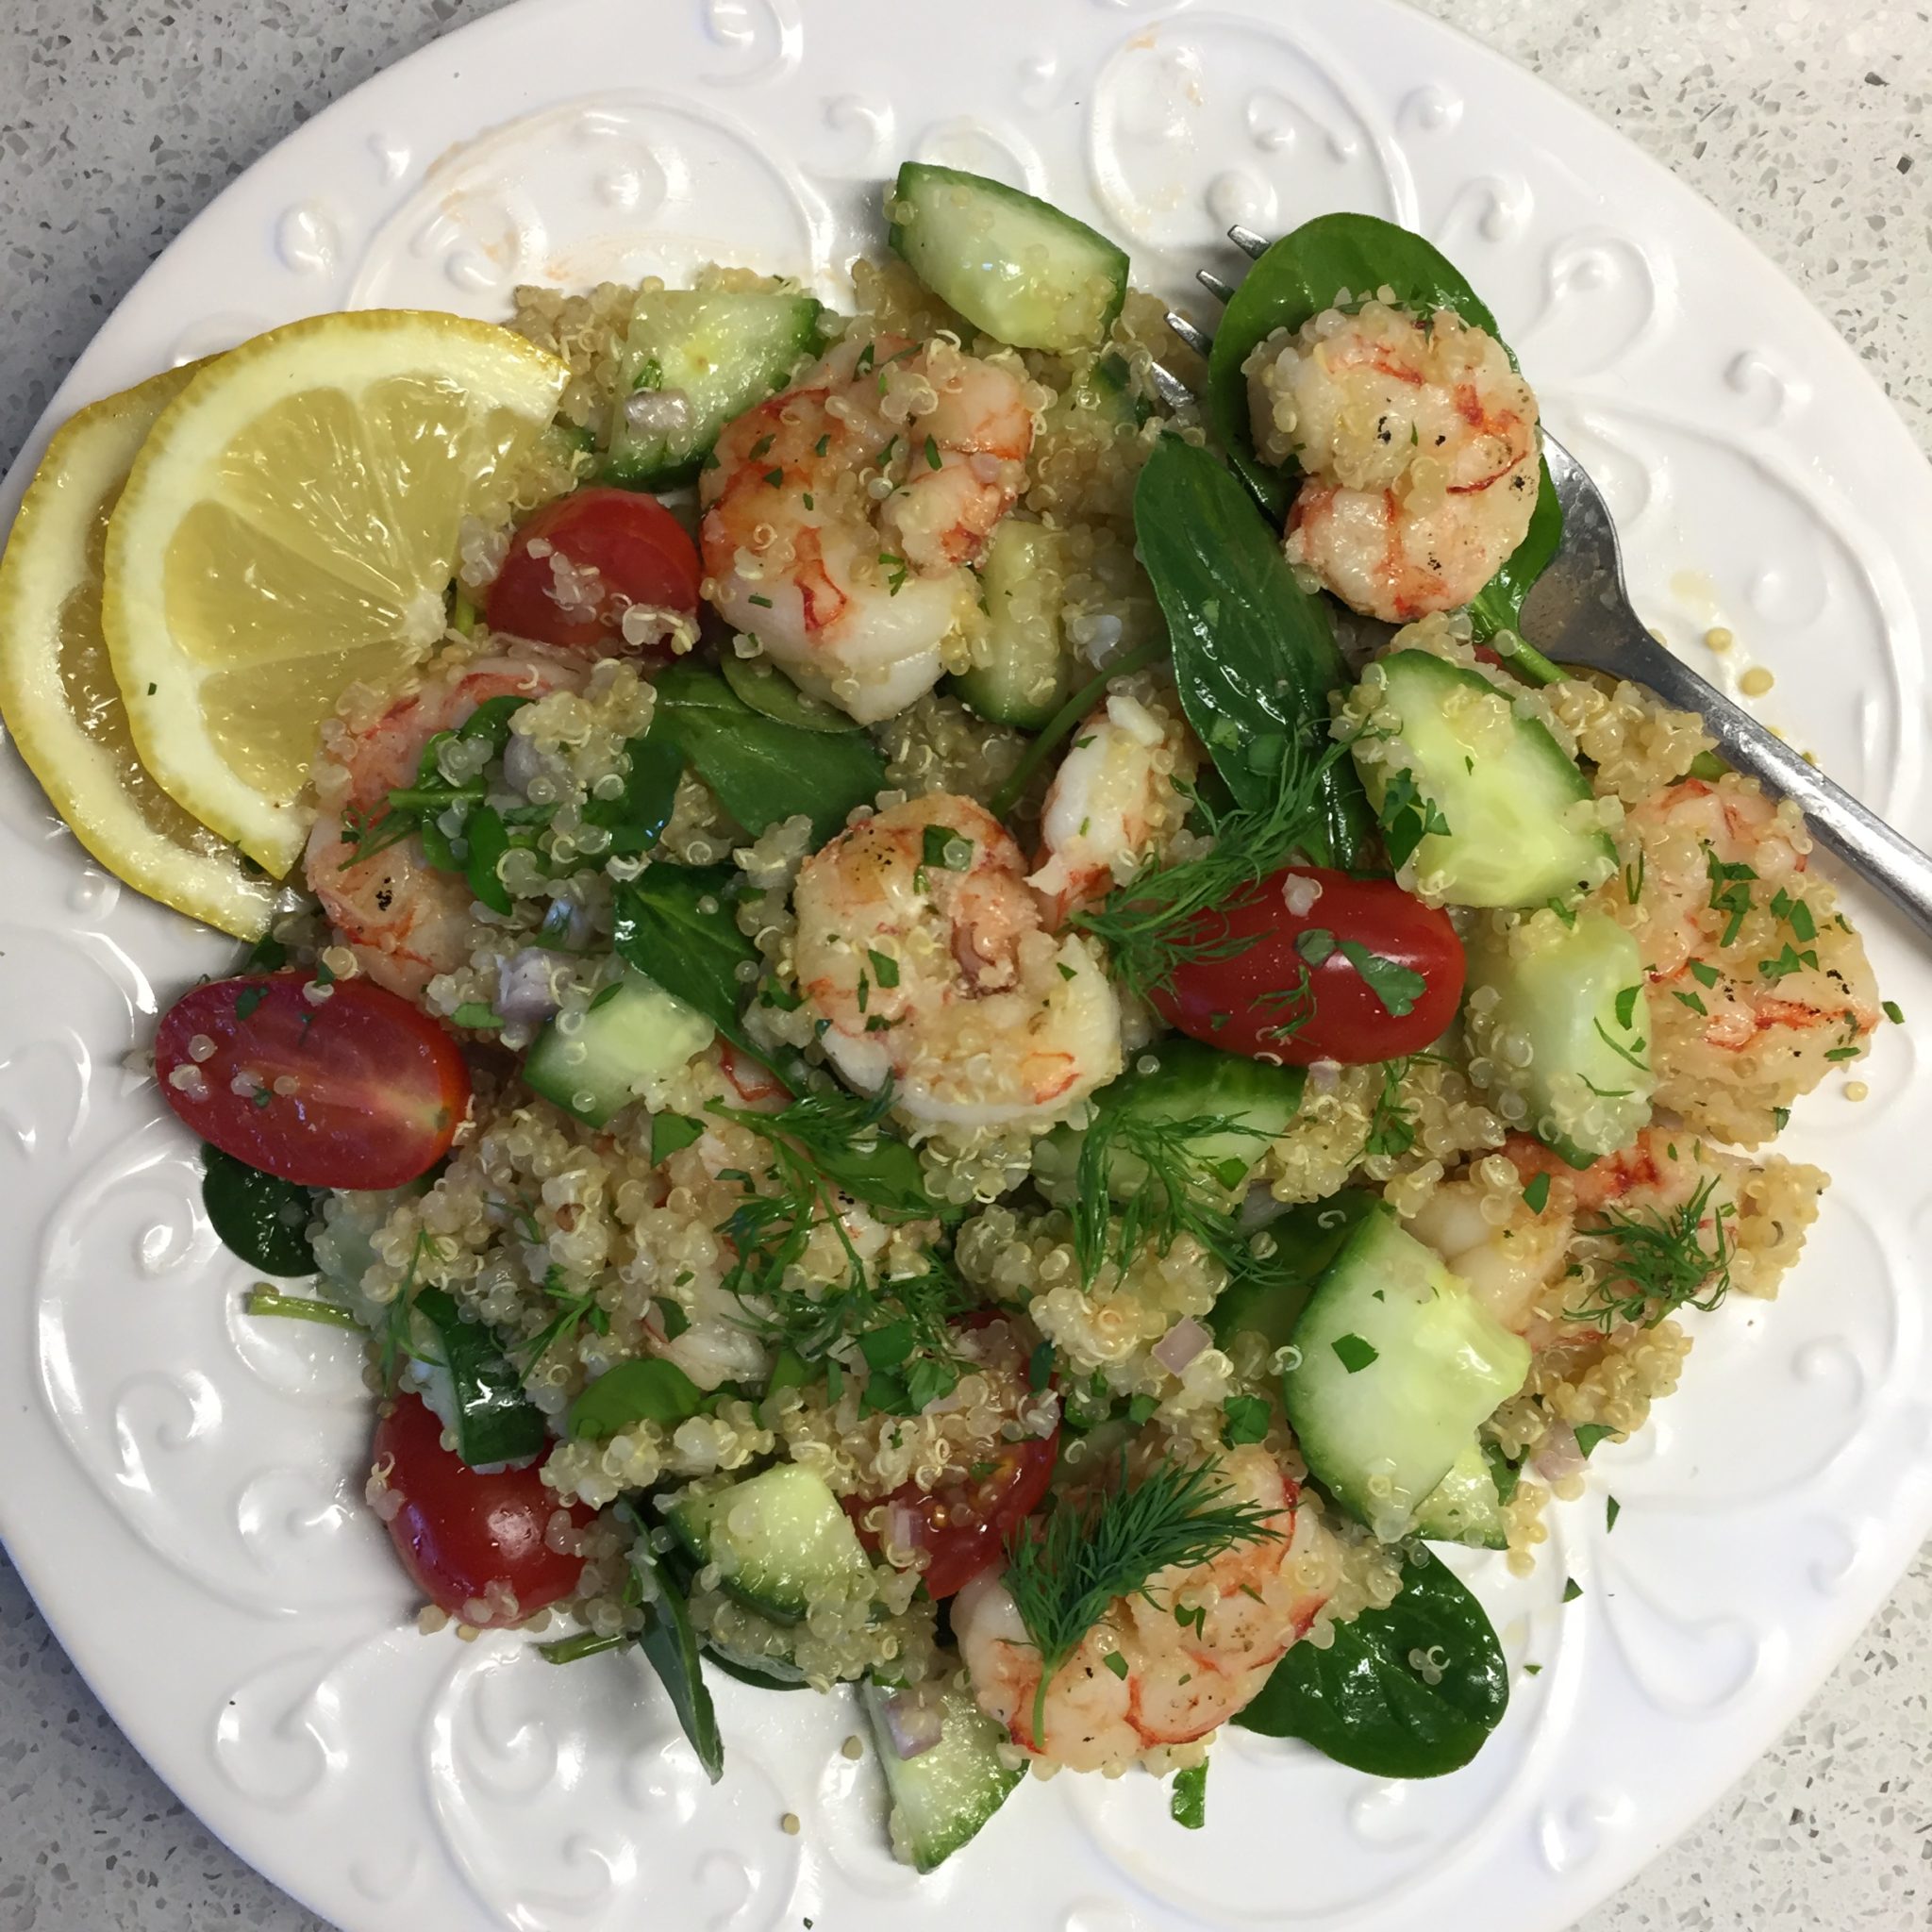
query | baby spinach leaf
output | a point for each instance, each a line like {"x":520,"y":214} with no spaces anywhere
{"x":1298,"y":278}
{"x":646,"y":1390}
{"x":258,"y":1216}
{"x":765,"y":771}
{"x":1364,"y":1702}
{"x":495,"y":1421}
{"x":637,"y":816}
{"x":488,"y":839}
{"x":662,"y":926}
{"x":670,"y":1645}
{"x":1254,"y":654}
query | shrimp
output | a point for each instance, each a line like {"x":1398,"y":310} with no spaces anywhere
{"x":842,"y":513}
{"x":921,"y":948}
{"x":1114,"y":795}
{"x":1759,"y":989}
{"x":1420,"y":448}
{"x":1181,"y":1679}
{"x":406,"y":921}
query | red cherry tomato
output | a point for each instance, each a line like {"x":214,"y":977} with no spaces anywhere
{"x":1236,"y":1002}
{"x":355,"y":1091}
{"x":967,"y":1525}
{"x":638,"y":549}
{"x":457,"y":1531}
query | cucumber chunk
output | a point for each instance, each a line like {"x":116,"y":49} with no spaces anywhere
{"x":1464,"y":1506}
{"x":631,"y":1037}
{"x":721,"y":351}
{"x":1016,"y":267}
{"x":1252,"y":1101}
{"x":1398,"y":1363}
{"x":1268,"y":1292}
{"x":1566,"y":1033}
{"x":1514,"y":804}
{"x":1027,"y":674}
{"x":1101,"y":397}
{"x":942,"y":1796}
{"x":780,"y":1541}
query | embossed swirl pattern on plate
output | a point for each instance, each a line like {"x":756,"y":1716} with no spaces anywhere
{"x":399,"y":1781}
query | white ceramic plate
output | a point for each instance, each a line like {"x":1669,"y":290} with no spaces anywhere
{"x":181,"y":1487}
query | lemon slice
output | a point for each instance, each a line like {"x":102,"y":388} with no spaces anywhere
{"x":57,"y":689}
{"x":290,"y":528}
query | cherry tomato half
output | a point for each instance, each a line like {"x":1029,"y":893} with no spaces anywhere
{"x":636,"y":546}
{"x":966,"y":1525}
{"x":458,"y":1531}
{"x":358,"y":1090}
{"x":1351,"y":1008}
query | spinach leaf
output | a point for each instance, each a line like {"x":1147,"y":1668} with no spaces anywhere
{"x":495,"y":1421}
{"x":488,"y":839}
{"x":258,"y":1216}
{"x":765,"y":771}
{"x":646,"y":1390}
{"x":663,"y":929}
{"x":637,"y":816}
{"x":1364,"y":1703}
{"x":1254,"y":654}
{"x":1298,"y":278}
{"x":670,"y":1646}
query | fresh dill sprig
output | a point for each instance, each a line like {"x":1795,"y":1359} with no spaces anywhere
{"x":579,"y":1308}
{"x":1179,"y":1192}
{"x":395,"y":1344}
{"x":822,"y":1146}
{"x":1064,"y":1575}
{"x":1658,"y":1262}
{"x":1165,"y":916}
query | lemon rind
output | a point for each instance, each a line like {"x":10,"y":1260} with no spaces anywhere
{"x":45,"y":560}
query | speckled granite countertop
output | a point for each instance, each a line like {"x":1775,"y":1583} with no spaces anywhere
{"x":1802,"y":122}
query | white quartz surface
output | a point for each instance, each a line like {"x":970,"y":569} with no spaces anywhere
{"x":1804,"y":122}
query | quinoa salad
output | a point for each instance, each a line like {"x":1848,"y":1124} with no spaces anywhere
{"x":942,"y":992}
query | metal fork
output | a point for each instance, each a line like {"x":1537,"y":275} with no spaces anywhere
{"x":1580,"y":614}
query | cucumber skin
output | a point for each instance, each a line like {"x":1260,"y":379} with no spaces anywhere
{"x":1442,"y":1371}
{"x":1559,"y":992}
{"x":1027,"y":675}
{"x":1266,"y":1297}
{"x":918,"y":186}
{"x":944,"y":1797}
{"x":1469,"y":798}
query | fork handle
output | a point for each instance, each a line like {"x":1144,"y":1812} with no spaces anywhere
{"x":1850,"y":828}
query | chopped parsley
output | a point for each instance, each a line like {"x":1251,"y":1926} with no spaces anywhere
{"x":1536,"y":1196}
{"x":1353,"y":1354}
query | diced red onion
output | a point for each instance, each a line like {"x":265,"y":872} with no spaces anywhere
{"x":1559,"y":1454}
{"x":1324,"y":1077}
{"x":523,"y":763}
{"x":525,"y":985}
{"x":902,"y":1525}
{"x":1181,"y":1345}
{"x":912,"y":1723}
